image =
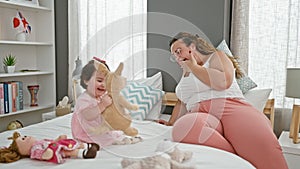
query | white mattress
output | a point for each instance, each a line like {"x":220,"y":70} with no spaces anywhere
{"x":110,"y":157}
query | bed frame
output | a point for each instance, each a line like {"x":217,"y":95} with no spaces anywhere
{"x":170,"y":99}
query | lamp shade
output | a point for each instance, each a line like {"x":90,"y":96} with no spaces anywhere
{"x":292,"y":83}
{"x":77,"y":71}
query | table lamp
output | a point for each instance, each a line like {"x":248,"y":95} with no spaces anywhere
{"x":76,"y":77}
{"x":293,"y":91}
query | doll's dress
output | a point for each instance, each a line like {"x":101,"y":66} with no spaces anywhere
{"x":40,"y":147}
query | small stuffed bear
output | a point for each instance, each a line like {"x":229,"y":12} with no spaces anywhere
{"x":14,"y":125}
{"x":115,"y":114}
{"x":167,"y":156}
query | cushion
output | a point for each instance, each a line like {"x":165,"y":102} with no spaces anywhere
{"x":154,"y":81}
{"x":258,"y":97}
{"x":245,"y":82}
{"x":146,"y":97}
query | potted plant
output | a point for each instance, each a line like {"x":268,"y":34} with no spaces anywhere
{"x":9,"y":62}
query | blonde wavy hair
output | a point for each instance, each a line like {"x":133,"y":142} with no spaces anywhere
{"x":204,"y":48}
{"x":11,"y":153}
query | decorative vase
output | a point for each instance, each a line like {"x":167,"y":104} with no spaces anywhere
{"x":9,"y":69}
{"x":21,"y":36}
{"x":33,"y":90}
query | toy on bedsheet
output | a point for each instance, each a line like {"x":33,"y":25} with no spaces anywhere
{"x":48,"y":150}
{"x":115,"y":114}
{"x":168,"y":156}
{"x":16,"y":124}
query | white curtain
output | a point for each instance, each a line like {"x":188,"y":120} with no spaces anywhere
{"x":113,"y":30}
{"x":239,"y":38}
{"x":274,"y":44}
{"x":266,"y":35}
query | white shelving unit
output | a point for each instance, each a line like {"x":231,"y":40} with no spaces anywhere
{"x":36,"y":53}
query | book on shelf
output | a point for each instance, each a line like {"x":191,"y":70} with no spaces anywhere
{"x":5,"y":89}
{"x":12,"y":92}
{"x":9,"y":89}
{"x":1,"y":99}
{"x":20,"y":105}
{"x":14,"y":95}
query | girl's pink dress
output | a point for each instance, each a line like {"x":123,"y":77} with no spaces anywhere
{"x":89,"y":126}
{"x":40,"y":147}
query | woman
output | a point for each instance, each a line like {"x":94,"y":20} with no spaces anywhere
{"x":211,"y":109}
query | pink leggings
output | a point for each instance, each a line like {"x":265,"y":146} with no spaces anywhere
{"x":232,"y":125}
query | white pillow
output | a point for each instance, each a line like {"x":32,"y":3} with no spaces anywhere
{"x":258,"y":97}
{"x":154,"y":81}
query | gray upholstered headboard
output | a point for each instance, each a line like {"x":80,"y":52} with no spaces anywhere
{"x":166,"y":19}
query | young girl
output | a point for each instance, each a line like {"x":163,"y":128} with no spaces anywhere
{"x":88,"y":124}
{"x":48,"y":150}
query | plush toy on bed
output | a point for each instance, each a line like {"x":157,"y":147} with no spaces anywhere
{"x":14,"y":125}
{"x":115,"y":114}
{"x":168,"y":156}
{"x":55,"y":150}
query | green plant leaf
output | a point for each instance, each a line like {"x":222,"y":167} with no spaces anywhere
{"x":9,"y":60}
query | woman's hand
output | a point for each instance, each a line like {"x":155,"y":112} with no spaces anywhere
{"x":160,"y":121}
{"x":187,"y":64}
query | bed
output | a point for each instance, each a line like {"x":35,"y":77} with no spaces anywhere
{"x":153,"y":102}
{"x":110,"y":157}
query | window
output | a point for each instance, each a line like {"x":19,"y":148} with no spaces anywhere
{"x":112,"y":30}
{"x":274,"y":44}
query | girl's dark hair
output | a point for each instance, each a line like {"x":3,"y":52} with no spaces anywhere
{"x":204,"y":48}
{"x":88,"y":71}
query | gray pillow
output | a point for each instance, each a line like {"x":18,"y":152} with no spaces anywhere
{"x":245,"y":82}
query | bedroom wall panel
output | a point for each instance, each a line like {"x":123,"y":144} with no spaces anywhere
{"x":211,"y":17}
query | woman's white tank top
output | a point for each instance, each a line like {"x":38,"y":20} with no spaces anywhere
{"x":191,"y":90}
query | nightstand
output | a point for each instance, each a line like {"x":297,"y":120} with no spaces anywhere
{"x":290,"y":150}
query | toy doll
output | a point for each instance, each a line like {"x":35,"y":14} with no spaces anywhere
{"x":48,"y":150}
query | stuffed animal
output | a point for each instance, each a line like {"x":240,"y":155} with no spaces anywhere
{"x":167,"y":157}
{"x":115,"y":114}
{"x":14,"y":125}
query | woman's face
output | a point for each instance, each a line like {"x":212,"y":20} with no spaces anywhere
{"x":95,"y":86}
{"x":180,"y":51}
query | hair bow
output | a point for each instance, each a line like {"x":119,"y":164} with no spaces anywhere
{"x":99,"y":60}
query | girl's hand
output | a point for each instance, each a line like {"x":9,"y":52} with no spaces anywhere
{"x":106,"y":100}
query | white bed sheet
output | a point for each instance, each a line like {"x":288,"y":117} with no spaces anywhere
{"x":110,"y":157}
